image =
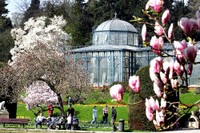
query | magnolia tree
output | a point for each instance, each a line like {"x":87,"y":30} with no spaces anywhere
{"x":39,"y":55}
{"x":38,"y":95}
{"x":168,"y":73}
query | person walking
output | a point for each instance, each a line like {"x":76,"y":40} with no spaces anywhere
{"x":113,"y":118}
{"x":94,"y":115}
{"x":105,"y":115}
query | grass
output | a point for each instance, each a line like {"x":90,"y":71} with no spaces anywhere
{"x":190,"y":98}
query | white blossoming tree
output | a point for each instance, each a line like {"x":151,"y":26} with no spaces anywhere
{"x":38,"y":55}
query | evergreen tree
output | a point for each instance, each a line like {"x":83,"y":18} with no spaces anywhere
{"x":80,"y":25}
{"x":105,"y":9}
{"x":6,"y":41}
{"x":33,"y":10}
{"x":3,"y":10}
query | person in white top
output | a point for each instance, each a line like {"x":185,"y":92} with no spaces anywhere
{"x":94,"y":115}
{"x":69,"y":122}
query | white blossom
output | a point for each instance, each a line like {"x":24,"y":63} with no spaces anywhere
{"x":35,"y":32}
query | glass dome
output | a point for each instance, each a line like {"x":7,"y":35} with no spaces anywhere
{"x":116,"y":25}
{"x":115,"y":32}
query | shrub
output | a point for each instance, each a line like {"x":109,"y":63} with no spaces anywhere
{"x":137,"y":118}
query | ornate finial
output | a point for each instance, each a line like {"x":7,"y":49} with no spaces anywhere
{"x":115,"y":15}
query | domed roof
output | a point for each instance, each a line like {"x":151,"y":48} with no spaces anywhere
{"x":116,"y":25}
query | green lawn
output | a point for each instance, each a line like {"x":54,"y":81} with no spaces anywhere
{"x":190,"y":98}
{"x":83,"y":112}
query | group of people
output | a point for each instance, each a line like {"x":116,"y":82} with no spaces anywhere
{"x":70,"y":121}
{"x":105,"y":116}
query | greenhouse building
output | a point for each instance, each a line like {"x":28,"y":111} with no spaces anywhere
{"x":115,"y":53}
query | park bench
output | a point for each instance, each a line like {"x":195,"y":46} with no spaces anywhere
{"x":18,"y":121}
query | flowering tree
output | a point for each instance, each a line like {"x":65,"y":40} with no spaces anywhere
{"x":39,"y":94}
{"x":40,"y":55}
{"x":168,"y":72}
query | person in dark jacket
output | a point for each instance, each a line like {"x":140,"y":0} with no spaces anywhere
{"x":113,"y":118}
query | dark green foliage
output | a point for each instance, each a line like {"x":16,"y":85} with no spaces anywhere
{"x":6,"y":43}
{"x":3,"y":10}
{"x":137,"y":118}
{"x":33,"y":10}
{"x":145,"y":82}
{"x":80,"y":25}
{"x":105,"y":9}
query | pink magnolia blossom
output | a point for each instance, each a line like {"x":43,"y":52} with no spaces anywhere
{"x":149,"y":114}
{"x":174,"y":83}
{"x":154,"y":104}
{"x":163,"y":77}
{"x":168,"y":68}
{"x":39,"y":93}
{"x":165,"y":16}
{"x":158,"y":29}
{"x":190,"y":68}
{"x":156,"y":44}
{"x":144,"y":33}
{"x":134,"y":83}
{"x":180,"y":58}
{"x":117,"y":92}
{"x":147,"y":104}
{"x":193,"y":25}
{"x":178,"y":68}
{"x":191,"y":52}
{"x":152,"y":74}
{"x":157,"y":89}
{"x":163,"y":103}
{"x":156,"y":64}
{"x":156,"y":5}
{"x":180,"y":46}
{"x":159,"y":117}
{"x":184,"y":24}
{"x":188,"y":25}
{"x":170,"y":31}
{"x":164,"y":95}
{"x":198,"y":23}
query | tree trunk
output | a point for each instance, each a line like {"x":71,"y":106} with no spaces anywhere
{"x":60,"y":102}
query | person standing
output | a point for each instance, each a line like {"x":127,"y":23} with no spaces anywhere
{"x":70,"y":110}
{"x":94,"y":115}
{"x":105,"y":114}
{"x":50,"y":110}
{"x":113,"y":118}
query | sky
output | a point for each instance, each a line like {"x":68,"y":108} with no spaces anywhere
{"x":13,"y":6}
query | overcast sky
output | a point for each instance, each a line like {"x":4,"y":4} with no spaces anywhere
{"x":15,"y":5}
